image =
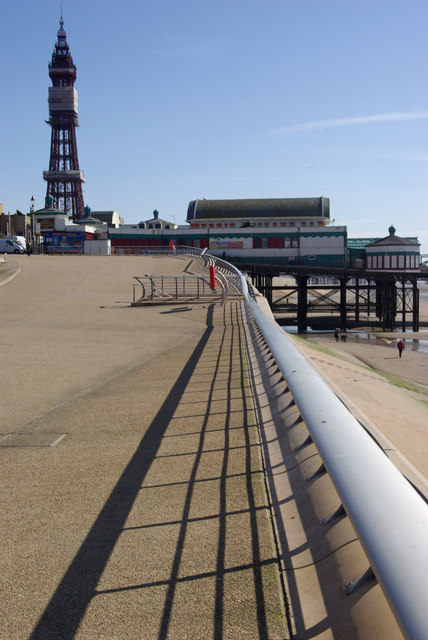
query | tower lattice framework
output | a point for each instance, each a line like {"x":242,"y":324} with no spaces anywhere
{"x":64,"y":177}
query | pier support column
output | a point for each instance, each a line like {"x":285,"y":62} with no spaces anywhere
{"x":369,"y":291}
{"x":302,"y":303}
{"x":343,"y":319}
{"x":415,"y":305}
{"x":357,"y":299}
{"x":268,"y":289}
{"x":403,"y":305}
{"x":386,"y":303}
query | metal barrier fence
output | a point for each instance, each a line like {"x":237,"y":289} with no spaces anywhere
{"x":168,"y":287}
{"x":188,"y":286}
{"x":388,"y":515}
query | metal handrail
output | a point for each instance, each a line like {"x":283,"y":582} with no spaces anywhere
{"x":388,"y":515}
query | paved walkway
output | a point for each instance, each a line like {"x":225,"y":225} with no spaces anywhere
{"x":133,"y":497}
{"x":133,"y":491}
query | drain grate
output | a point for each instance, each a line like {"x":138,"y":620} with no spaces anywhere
{"x":30,"y":439}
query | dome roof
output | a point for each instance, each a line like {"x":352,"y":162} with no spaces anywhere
{"x":393,"y":240}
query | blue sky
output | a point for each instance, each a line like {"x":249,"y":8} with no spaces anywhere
{"x":194,"y":99}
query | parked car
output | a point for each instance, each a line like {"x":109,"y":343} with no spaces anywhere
{"x":10,"y":246}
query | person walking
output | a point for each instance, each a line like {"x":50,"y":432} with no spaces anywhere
{"x":400,"y":346}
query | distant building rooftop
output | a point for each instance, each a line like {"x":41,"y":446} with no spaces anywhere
{"x":393,"y":240}
{"x":259,"y":208}
{"x":361,"y":243}
{"x":157,"y":223}
{"x":111,"y":218}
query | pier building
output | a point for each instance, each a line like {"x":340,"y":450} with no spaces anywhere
{"x":294,"y":231}
{"x":393,"y":253}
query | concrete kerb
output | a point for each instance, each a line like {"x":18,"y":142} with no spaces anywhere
{"x":8,"y":270}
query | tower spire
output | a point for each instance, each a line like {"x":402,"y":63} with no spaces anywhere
{"x":64,"y":177}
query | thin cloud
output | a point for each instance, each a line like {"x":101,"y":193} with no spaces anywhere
{"x":413,"y":156}
{"x":349,"y":122}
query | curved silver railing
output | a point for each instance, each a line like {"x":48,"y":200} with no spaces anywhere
{"x":388,"y":515}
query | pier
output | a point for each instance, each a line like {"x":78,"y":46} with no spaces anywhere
{"x":351,"y":295}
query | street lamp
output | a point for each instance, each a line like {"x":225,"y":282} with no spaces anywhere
{"x":32,"y":222}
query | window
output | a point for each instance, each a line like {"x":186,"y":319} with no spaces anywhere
{"x":276,"y":243}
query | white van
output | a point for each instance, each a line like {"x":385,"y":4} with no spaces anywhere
{"x":10,"y":246}
{"x":19,"y":239}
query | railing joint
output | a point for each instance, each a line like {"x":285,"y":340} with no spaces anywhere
{"x":364,"y":579}
{"x":338,"y":515}
{"x":321,"y":471}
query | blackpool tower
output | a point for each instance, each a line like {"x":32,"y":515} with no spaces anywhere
{"x":64,"y":177}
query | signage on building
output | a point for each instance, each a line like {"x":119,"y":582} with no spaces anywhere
{"x":64,"y":242}
{"x":226,"y":244}
{"x":46,"y":224}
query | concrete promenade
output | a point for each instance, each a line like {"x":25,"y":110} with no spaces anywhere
{"x":157,"y":479}
{"x":133,"y":495}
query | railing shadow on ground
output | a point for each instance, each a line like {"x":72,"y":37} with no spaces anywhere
{"x":79,"y":586}
{"x":73,"y":595}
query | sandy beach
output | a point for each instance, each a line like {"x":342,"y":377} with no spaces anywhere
{"x":378,"y":350}
{"x":388,"y":394}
